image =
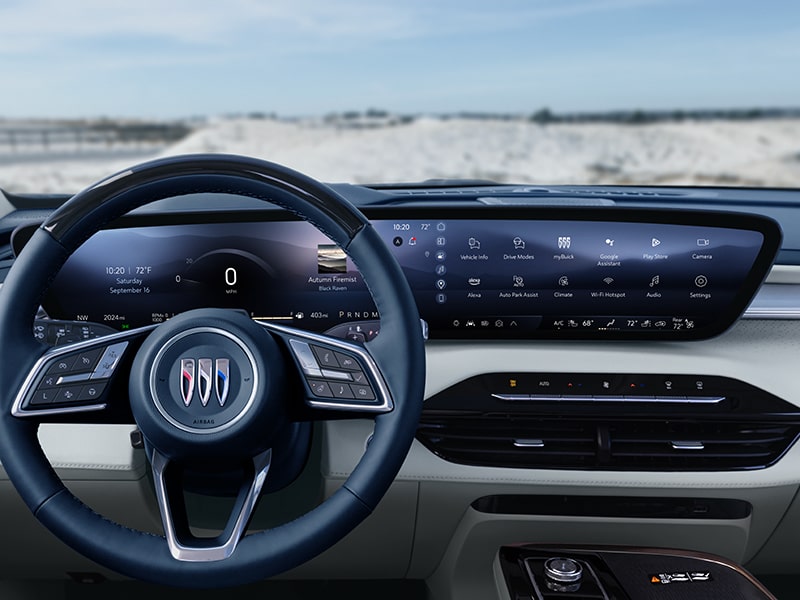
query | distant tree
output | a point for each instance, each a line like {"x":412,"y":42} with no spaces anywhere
{"x":377,"y":113}
{"x":542,"y":116}
{"x":638,"y":117}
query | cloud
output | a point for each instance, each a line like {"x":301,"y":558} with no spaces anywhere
{"x":39,"y":24}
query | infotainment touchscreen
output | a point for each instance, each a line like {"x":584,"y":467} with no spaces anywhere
{"x":550,"y":274}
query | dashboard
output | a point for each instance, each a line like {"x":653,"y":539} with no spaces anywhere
{"x":493,"y":274}
{"x":590,"y":377}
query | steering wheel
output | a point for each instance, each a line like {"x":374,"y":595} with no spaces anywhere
{"x":209,"y":388}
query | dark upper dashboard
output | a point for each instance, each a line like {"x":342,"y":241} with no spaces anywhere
{"x":484,"y":261}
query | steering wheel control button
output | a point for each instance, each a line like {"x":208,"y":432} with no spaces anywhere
{"x":305,"y":356}
{"x":326,"y":357}
{"x":109,"y":361}
{"x":321,"y":389}
{"x":68,"y":394}
{"x":41,"y":397}
{"x":91,"y":392}
{"x":349,"y":363}
{"x":362,"y":392}
{"x":359,"y":378}
{"x":48,"y":381}
{"x":63,"y":365}
{"x":86,"y":361}
{"x":341,"y":390}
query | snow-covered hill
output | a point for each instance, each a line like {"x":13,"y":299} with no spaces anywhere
{"x":750,"y":153}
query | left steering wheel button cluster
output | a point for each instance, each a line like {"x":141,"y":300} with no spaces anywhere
{"x":78,"y":377}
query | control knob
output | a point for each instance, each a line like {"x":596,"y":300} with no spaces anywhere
{"x":563,"y":574}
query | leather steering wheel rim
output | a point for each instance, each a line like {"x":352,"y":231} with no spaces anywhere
{"x":398,"y":350}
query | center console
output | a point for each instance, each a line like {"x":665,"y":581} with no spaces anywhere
{"x":610,"y":573}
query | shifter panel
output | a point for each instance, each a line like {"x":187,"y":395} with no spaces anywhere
{"x":612,"y":573}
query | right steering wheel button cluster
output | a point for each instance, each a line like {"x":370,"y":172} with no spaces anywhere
{"x":333,"y":374}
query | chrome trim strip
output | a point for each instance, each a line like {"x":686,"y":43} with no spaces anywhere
{"x":77,"y":378}
{"x":775,"y":301}
{"x":513,"y":397}
{"x":33,"y":374}
{"x":298,"y":341}
{"x":688,"y":446}
{"x":59,"y":411}
{"x":599,"y":398}
{"x":705,"y":399}
{"x":529,"y":443}
{"x":772,"y":313}
{"x":186,"y":553}
{"x":338,"y":375}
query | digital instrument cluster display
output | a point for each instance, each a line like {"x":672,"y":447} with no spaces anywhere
{"x":639,"y":276}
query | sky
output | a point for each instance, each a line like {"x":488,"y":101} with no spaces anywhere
{"x":183,"y":58}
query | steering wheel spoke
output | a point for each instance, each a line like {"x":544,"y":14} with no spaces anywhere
{"x":77,"y":378}
{"x":183,"y":545}
{"x":336,"y":374}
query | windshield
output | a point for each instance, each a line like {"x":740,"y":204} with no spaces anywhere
{"x":657,"y":92}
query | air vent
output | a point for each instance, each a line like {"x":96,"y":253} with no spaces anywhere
{"x":704,"y":446}
{"x":557,"y":443}
{"x":502,"y":441}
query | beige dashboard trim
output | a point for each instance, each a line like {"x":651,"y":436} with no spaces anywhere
{"x":91,"y":452}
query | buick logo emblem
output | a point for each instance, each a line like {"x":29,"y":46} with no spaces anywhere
{"x":210,"y":374}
